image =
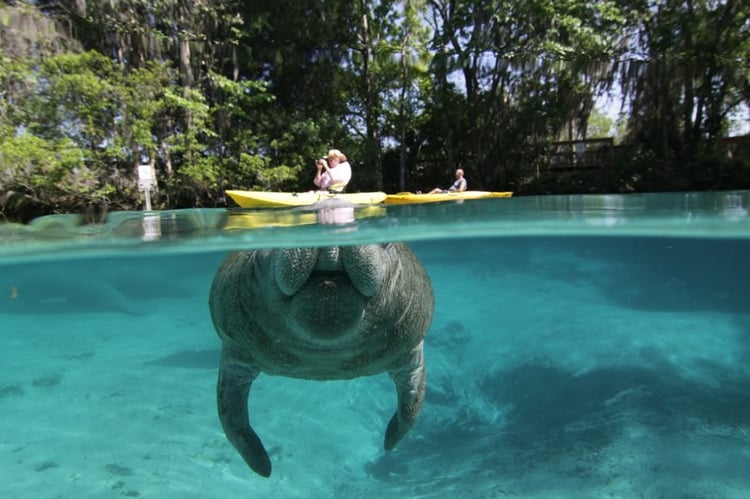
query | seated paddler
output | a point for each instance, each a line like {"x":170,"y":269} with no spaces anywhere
{"x":334,"y":172}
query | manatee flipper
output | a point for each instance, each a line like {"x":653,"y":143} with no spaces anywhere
{"x":232,"y":393}
{"x":410,"y":382}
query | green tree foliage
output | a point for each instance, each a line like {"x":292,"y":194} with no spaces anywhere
{"x":535,"y":67}
{"x":232,"y":94}
{"x":689,"y":70}
{"x":600,"y":125}
{"x":390,"y":59}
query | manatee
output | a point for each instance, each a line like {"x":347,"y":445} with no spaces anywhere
{"x":320,"y":314}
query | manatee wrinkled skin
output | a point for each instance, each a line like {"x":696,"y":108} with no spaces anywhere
{"x":320,"y":314}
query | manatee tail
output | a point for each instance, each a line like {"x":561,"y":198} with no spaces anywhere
{"x":410,"y":381}
{"x":232,"y":393}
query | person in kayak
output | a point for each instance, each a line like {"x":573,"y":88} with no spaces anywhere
{"x":458,"y":186}
{"x":334,"y":172}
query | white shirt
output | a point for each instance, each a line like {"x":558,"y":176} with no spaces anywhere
{"x":339,"y":175}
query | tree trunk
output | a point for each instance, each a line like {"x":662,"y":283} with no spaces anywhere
{"x":371,"y":101}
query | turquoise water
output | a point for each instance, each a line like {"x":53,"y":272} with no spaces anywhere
{"x":581,"y":346}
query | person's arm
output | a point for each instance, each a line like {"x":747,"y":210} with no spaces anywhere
{"x":320,"y":177}
{"x":458,"y":186}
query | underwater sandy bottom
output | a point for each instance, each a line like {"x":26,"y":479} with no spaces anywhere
{"x":540,"y":385}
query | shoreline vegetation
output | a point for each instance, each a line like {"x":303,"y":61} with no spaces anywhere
{"x":245,"y":95}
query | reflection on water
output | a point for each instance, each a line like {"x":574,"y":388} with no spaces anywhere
{"x":151,"y":226}
{"x":734,"y":206}
{"x":639,"y":210}
{"x":722,"y":214}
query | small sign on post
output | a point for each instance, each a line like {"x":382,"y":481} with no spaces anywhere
{"x":146,"y":182}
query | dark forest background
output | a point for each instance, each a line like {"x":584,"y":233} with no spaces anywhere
{"x":246,"y":94}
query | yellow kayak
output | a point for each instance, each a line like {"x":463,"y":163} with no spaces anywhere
{"x":410,"y":197}
{"x":265,"y":199}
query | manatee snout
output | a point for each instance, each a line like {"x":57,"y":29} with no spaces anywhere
{"x":363,"y":265}
{"x":329,"y":288}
